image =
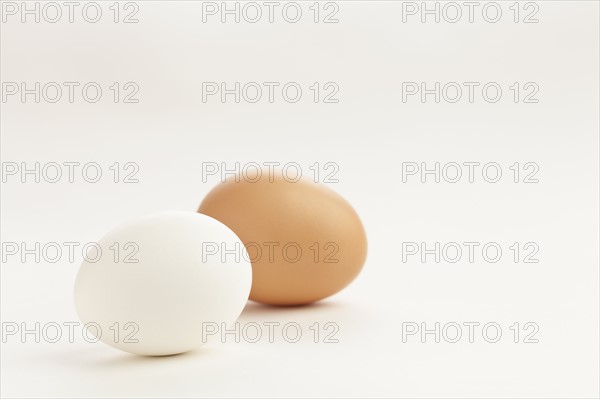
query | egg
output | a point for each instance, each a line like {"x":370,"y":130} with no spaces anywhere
{"x":304,"y":240}
{"x":159,"y":284}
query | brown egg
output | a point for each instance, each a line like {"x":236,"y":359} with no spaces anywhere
{"x":305,"y":241}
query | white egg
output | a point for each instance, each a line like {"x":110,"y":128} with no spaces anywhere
{"x":162,"y":283}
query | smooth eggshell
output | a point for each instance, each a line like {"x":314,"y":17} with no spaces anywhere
{"x":271,"y":213}
{"x":171,"y":293}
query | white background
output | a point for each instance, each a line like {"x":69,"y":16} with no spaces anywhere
{"x":369,"y":133}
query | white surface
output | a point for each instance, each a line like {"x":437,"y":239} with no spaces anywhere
{"x":369,"y":134}
{"x":161,"y":279}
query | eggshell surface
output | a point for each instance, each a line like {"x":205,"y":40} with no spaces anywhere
{"x":305,"y":241}
{"x":156,"y":287}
